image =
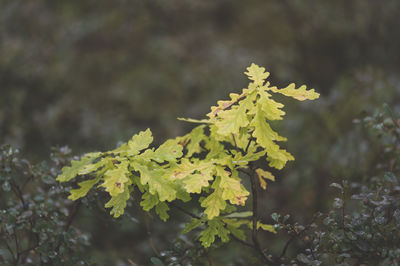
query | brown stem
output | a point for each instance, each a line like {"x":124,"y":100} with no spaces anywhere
{"x":254,"y":219}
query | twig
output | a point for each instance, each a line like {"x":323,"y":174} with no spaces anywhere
{"x":16,"y":246}
{"x":71,"y":218}
{"x":286,"y":246}
{"x":254,"y":220}
{"x":185,"y":211}
{"x":242,"y":242}
{"x":248,"y":145}
{"x":234,"y":141}
{"x":153,"y":247}
{"x":10,"y":250}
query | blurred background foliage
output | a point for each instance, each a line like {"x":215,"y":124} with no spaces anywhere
{"x":88,"y":74}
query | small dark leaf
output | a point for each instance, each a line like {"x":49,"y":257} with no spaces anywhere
{"x":275,"y":216}
{"x":156,"y":261}
{"x":303,"y":258}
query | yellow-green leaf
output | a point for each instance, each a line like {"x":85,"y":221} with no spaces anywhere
{"x":266,"y":227}
{"x":139,"y":142}
{"x":300,"y":94}
{"x":257,"y":74}
{"x":70,"y":172}
{"x":233,"y":190}
{"x":230,"y":121}
{"x":118,"y":203}
{"x":199,"y":121}
{"x":168,"y":151}
{"x":271,"y":108}
{"x":195,"y":182}
{"x":162,"y":210}
{"x":214,"y":228}
{"x":263,"y":133}
{"x":195,"y":136}
{"x":116,"y":179}
{"x":89,"y":168}
{"x":262,"y":174}
{"x":156,"y":180}
{"x":148,"y":201}
{"x":194,"y":223}
{"x":278,"y":157}
{"x":239,"y":214}
{"x":83,"y":189}
{"x":214,"y":203}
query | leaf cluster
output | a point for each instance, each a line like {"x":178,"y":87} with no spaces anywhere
{"x":203,"y":165}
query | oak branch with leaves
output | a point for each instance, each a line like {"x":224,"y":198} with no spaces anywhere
{"x":207,"y":161}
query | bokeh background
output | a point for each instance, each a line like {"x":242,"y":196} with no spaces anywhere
{"x":88,"y":74}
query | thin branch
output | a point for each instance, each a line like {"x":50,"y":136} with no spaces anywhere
{"x":10,"y":250}
{"x":153,"y":247}
{"x":242,"y":242}
{"x":185,"y":211}
{"x":254,"y":221}
{"x":286,"y":246}
{"x":248,"y":145}
{"x":234,"y":141}
{"x":71,"y":218}
{"x":16,"y":245}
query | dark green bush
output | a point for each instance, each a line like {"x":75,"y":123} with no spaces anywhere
{"x":363,"y":224}
{"x":35,"y":215}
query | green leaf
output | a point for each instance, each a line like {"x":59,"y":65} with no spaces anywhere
{"x":300,"y":94}
{"x":194,"y":223}
{"x":271,"y":108}
{"x":89,"y":168}
{"x":214,"y":228}
{"x":239,"y":214}
{"x":265,"y":137}
{"x":161,"y":210}
{"x":266,"y":227}
{"x":262,"y":174}
{"x":232,"y":188}
{"x":214,"y":203}
{"x":190,"y":120}
{"x":195,"y":182}
{"x":85,"y":186}
{"x":156,"y":261}
{"x":118,"y":202}
{"x":196,"y":136}
{"x":233,"y":225}
{"x":139,"y":142}
{"x":230,"y":121}
{"x":115,"y":179}
{"x":257,"y":74}
{"x":148,"y":201}
{"x":263,"y":132}
{"x":277,"y":157}
{"x":186,"y":167}
{"x":156,"y":180}
{"x":70,"y":172}
{"x":251,"y":156}
{"x":168,"y":151}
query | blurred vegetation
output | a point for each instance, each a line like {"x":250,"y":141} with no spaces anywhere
{"x":90,"y":74}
